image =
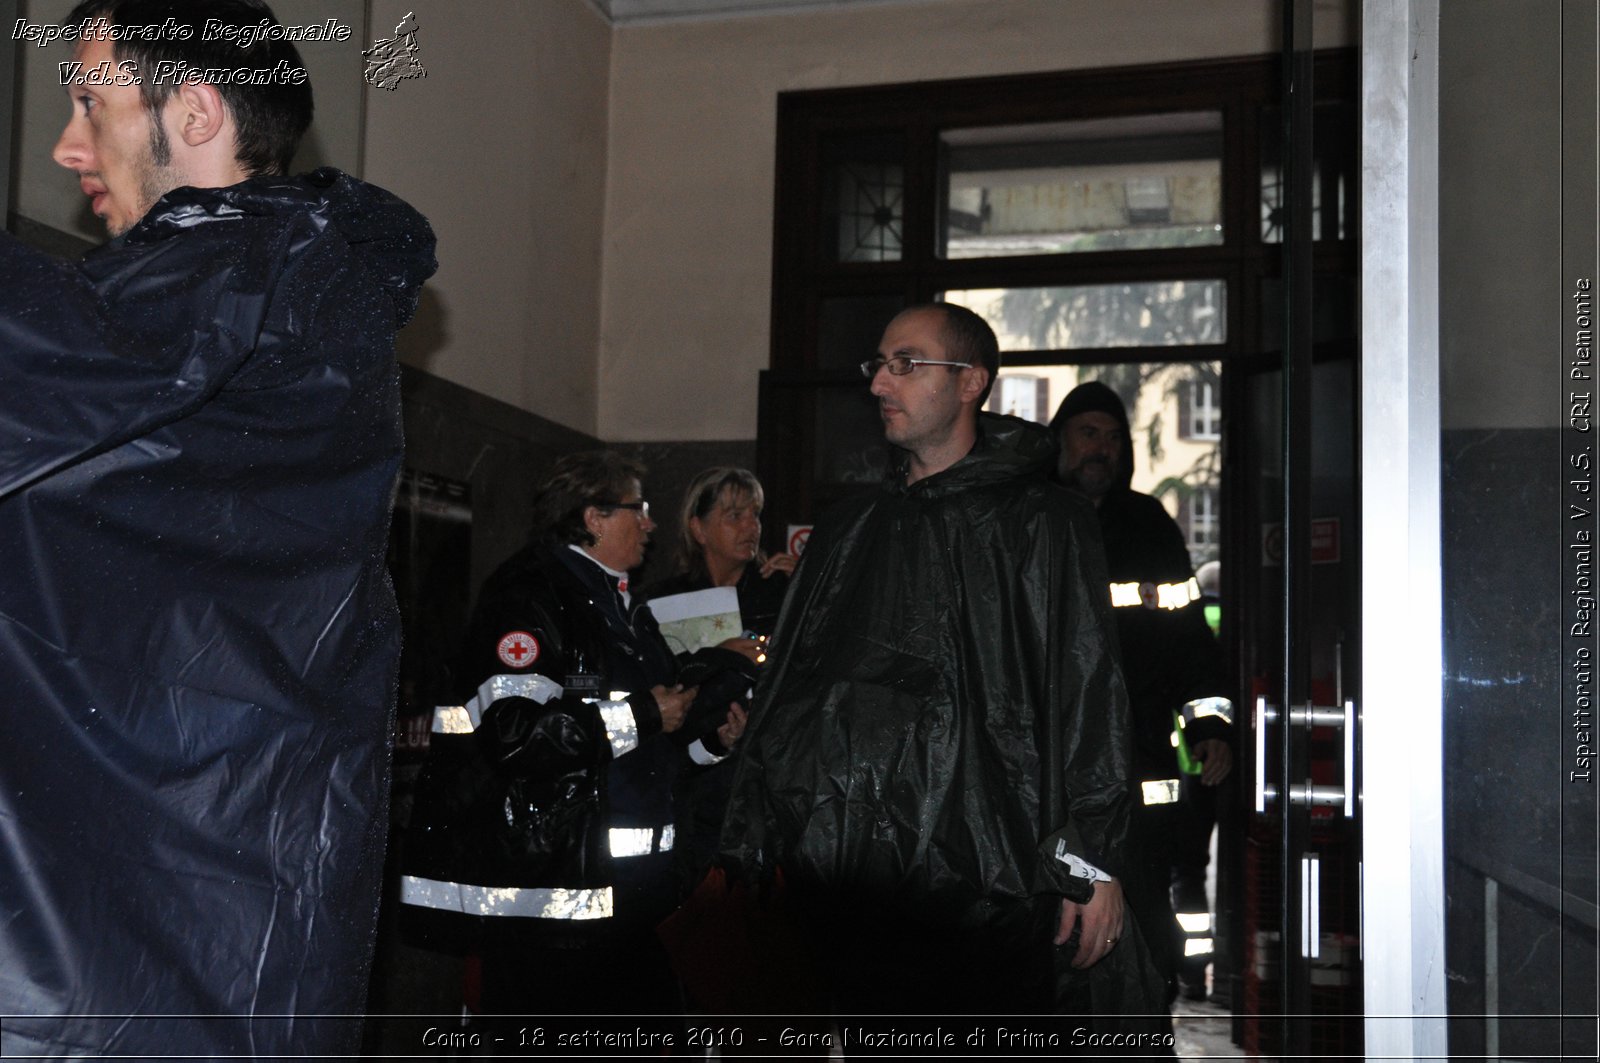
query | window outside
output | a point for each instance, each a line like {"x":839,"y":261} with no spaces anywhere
{"x":1098,"y":316}
{"x":1110,"y":184}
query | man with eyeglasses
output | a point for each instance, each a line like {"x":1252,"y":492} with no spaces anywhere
{"x":937,"y":760}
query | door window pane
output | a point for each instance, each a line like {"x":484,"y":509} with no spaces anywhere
{"x":1110,"y":184}
{"x":1144,"y":314}
{"x":849,"y":327}
{"x":1332,"y":166}
{"x":1334,"y":310}
{"x":1021,"y":395}
{"x":863,"y":199}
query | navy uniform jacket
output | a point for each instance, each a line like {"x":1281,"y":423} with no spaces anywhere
{"x":544,"y":814}
{"x":1169,"y":656}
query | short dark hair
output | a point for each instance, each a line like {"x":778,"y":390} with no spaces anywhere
{"x":596,"y":478}
{"x":967,"y":338}
{"x":704,"y":493}
{"x":271,"y":116}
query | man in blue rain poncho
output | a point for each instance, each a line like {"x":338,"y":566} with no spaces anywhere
{"x":199,"y":437}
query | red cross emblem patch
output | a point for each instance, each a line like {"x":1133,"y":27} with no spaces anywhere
{"x":518,"y":649}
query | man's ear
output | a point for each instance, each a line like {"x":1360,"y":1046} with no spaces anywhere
{"x":973,"y":380}
{"x":199,"y":114}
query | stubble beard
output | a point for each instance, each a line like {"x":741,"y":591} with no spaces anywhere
{"x":1092,"y":478}
{"x":156,"y":176}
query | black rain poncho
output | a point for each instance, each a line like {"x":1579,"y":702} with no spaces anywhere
{"x":942,"y":743}
{"x":199,"y":438}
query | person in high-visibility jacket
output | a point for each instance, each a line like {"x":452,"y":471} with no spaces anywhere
{"x":1177,"y":684}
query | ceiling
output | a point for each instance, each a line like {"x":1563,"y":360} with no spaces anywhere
{"x":633,"y":12}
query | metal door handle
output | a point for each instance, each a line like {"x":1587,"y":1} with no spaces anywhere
{"x":1261,"y":715}
{"x":1308,"y":792}
{"x":1349,"y":758}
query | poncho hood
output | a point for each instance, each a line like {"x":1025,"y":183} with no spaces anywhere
{"x":1007,"y":449}
{"x":387,"y":235}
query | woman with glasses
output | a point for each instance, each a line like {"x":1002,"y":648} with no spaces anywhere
{"x":545,"y":813}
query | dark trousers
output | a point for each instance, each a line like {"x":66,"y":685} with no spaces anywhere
{"x":620,"y":968}
{"x":624,"y":978}
{"x":876,"y":962}
{"x":1196,"y":817}
{"x":1148,"y":886}
{"x":1172,"y":845}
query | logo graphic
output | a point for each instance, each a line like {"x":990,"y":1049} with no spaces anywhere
{"x":394,"y":59}
{"x":518,"y":649}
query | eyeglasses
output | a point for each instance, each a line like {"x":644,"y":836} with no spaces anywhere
{"x":641,"y":508}
{"x":900,"y":365}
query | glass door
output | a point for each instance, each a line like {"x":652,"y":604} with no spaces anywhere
{"x":1130,"y":225}
{"x":1293,"y":462}
{"x":1295,"y":849}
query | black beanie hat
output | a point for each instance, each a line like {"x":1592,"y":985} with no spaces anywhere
{"x":1092,"y":395}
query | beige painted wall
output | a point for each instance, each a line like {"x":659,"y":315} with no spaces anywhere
{"x":503,"y":147}
{"x":688,"y":226}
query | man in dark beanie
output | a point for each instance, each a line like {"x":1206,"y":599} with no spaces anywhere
{"x":1176,"y":683}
